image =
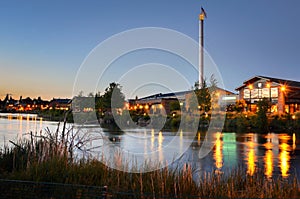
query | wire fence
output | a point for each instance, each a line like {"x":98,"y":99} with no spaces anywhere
{"x":46,"y":190}
{"x":43,"y":190}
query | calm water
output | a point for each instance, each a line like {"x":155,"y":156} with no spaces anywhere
{"x":274,"y":154}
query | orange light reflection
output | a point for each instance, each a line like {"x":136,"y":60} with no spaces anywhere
{"x":218,"y":155}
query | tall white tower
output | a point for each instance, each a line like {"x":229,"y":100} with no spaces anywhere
{"x":202,"y":15}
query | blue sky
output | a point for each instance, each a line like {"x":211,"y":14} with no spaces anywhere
{"x":43,"y":43}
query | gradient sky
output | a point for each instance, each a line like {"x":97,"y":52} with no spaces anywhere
{"x":43,"y":43}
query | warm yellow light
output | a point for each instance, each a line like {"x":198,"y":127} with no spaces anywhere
{"x":294,"y":117}
{"x":282,"y":88}
{"x":250,"y":86}
{"x":160,"y":106}
{"x":181,"y":103}
{"x":141,"y":106}
{"x":147,"y":107}
{"x":135,"y":107}
{"x":268,"y":85}
{"x":201,"y":16}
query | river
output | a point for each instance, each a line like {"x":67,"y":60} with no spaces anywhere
{"x":274,"y":154}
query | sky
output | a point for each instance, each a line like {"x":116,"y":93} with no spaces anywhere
{"x":43,"y":44}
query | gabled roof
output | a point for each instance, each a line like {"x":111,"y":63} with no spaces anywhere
{"x":290,"y":83}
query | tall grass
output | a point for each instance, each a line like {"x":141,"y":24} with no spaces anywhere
{"x":49,"y":158}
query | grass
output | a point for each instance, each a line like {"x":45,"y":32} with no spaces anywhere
{"x":49,"y":158}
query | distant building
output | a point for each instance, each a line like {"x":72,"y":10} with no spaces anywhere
{"x":60,"y":104}
{"x":284,"y":95}
{"x":83,"y":104}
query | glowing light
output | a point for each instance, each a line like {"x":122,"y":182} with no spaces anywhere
{"x":147,"y":107}
{"x":161,"y":106}
{"x":294,"y":117}
{"x":141,"y":106}
{"x":282,"y":88}
{"x":201,"y":17}
{"x":268,"y":85}
{"x":250,"y":86}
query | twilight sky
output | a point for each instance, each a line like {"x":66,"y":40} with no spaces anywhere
{"x":44,"y":43}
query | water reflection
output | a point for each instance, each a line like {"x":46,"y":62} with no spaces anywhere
{"x":251,"y":156}
{"x":16,"y":126}
{"x":268,"y":159}
{"x":269,"y":163}
{"x":218,"y":155}
{"x":160,"y":146}
{"x":20,"y":134}
{"x":294,"y":141}
{"x":284,"y":155}
{"x":274,"y":154}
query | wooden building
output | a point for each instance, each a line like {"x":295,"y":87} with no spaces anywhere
{"x":284,"y":95}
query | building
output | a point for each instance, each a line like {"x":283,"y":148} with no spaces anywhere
{"x":60,"y":104}
{"x":284,"y":95}
{"x":155,"y":103}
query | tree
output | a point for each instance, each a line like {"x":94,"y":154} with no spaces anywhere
{"x":204,"y":98}
{"x":203,"y":95}
{"x":113,"y":97}
{"x":175,"y":106}
{"x":261,"y":119}
{"x":240,"y":106}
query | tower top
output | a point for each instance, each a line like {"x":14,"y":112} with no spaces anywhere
{"x":202,"y":15}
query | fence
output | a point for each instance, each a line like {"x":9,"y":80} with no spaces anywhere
{"x":46,"y":190}
{"x":43,"y":190}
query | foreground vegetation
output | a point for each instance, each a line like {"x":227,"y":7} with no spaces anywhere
{"x":50,"y":158}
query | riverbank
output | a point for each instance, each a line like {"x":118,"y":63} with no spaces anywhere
{"x":234,"y":122}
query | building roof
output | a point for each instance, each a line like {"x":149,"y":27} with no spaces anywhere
{"x":61,"y":101}
{"x":176,"y":94}
{"x":290,"y":83}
